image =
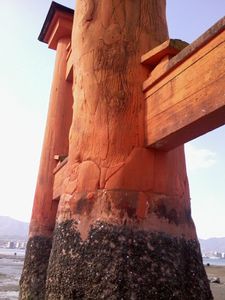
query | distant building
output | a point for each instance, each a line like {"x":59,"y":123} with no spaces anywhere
{"x":10,"y":245}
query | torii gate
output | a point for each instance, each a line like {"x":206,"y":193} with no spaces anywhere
{"x":113,"y":168}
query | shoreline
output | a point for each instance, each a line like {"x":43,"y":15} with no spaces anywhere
{"x":11,"y":268}
{"x":10,"y":271}
{"x":218,"y":289}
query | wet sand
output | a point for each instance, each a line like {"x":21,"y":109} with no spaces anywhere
{"x":11,"y":268}
{"x":218,"y":290}
{"x":10,"y":271}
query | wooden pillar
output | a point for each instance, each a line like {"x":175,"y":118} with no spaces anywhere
{"x":56,"y":33}
{"x":124,"y":222}
{"x":56,"y":143}
{"x":124,"y":228}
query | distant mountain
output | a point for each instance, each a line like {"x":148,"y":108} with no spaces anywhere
{"x":213,"y":244}
{"x":11,"y":227}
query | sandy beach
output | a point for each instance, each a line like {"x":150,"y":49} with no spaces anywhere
{"x":10,"y":271}
{"x":11,"y":268}
{"x":218,"y":290}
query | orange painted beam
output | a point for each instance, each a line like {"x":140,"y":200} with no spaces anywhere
{"x":188,"y":99}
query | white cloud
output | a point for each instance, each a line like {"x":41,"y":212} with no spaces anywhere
{"x":199,"y":158}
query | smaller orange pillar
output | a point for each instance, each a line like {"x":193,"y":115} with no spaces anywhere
{"x":56,"y":32}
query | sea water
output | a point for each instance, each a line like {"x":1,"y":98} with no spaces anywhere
{"x":10,"y":271}
{"x":6,"y":251}
{"x":214,"y":261}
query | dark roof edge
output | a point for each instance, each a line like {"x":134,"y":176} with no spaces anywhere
{"x":53,"y":8}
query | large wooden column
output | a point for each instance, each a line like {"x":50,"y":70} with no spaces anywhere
{"x":124,"y":227}
{"x":56,"y":33}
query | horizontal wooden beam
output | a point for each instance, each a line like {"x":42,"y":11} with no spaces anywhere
{"x":170,"y":47}
{"x":189,"y":100}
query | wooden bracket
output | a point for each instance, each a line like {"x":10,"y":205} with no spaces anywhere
{"x":59,"y":157}
{"x":157,"y":59}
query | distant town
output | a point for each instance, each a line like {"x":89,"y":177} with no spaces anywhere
{"x":214,"y":255}
{"x":13,"y":244}
{"x":21,"y":244}
{"x":14,"y":235}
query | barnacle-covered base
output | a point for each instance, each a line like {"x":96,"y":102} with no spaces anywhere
{"x":33,"y":279}
{"x":118,"y":262}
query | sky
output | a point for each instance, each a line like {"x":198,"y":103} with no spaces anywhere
{"x":26,"y":68}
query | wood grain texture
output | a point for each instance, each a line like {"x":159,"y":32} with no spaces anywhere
{"x":190,"y":100}
{"x":170,"y":47}
{"x":56,"y":142}
{"x":107,"y":138}
{"x":108,"y":40}
{"x":211,"y":34}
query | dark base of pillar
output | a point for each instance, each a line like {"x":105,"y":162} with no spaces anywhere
{"x":116,"y":262}
{"x":33,"y":279}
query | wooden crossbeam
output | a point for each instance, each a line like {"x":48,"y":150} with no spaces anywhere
{"x":170,"y":47}
{"x":185,"y":95}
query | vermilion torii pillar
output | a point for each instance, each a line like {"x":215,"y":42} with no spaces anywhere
{"x":123,"y":228}
{"x":56,"y":33}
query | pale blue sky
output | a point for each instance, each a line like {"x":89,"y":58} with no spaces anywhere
{"x":26,"y":68}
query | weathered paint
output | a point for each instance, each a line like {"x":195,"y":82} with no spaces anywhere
{"x":111,"y":187}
